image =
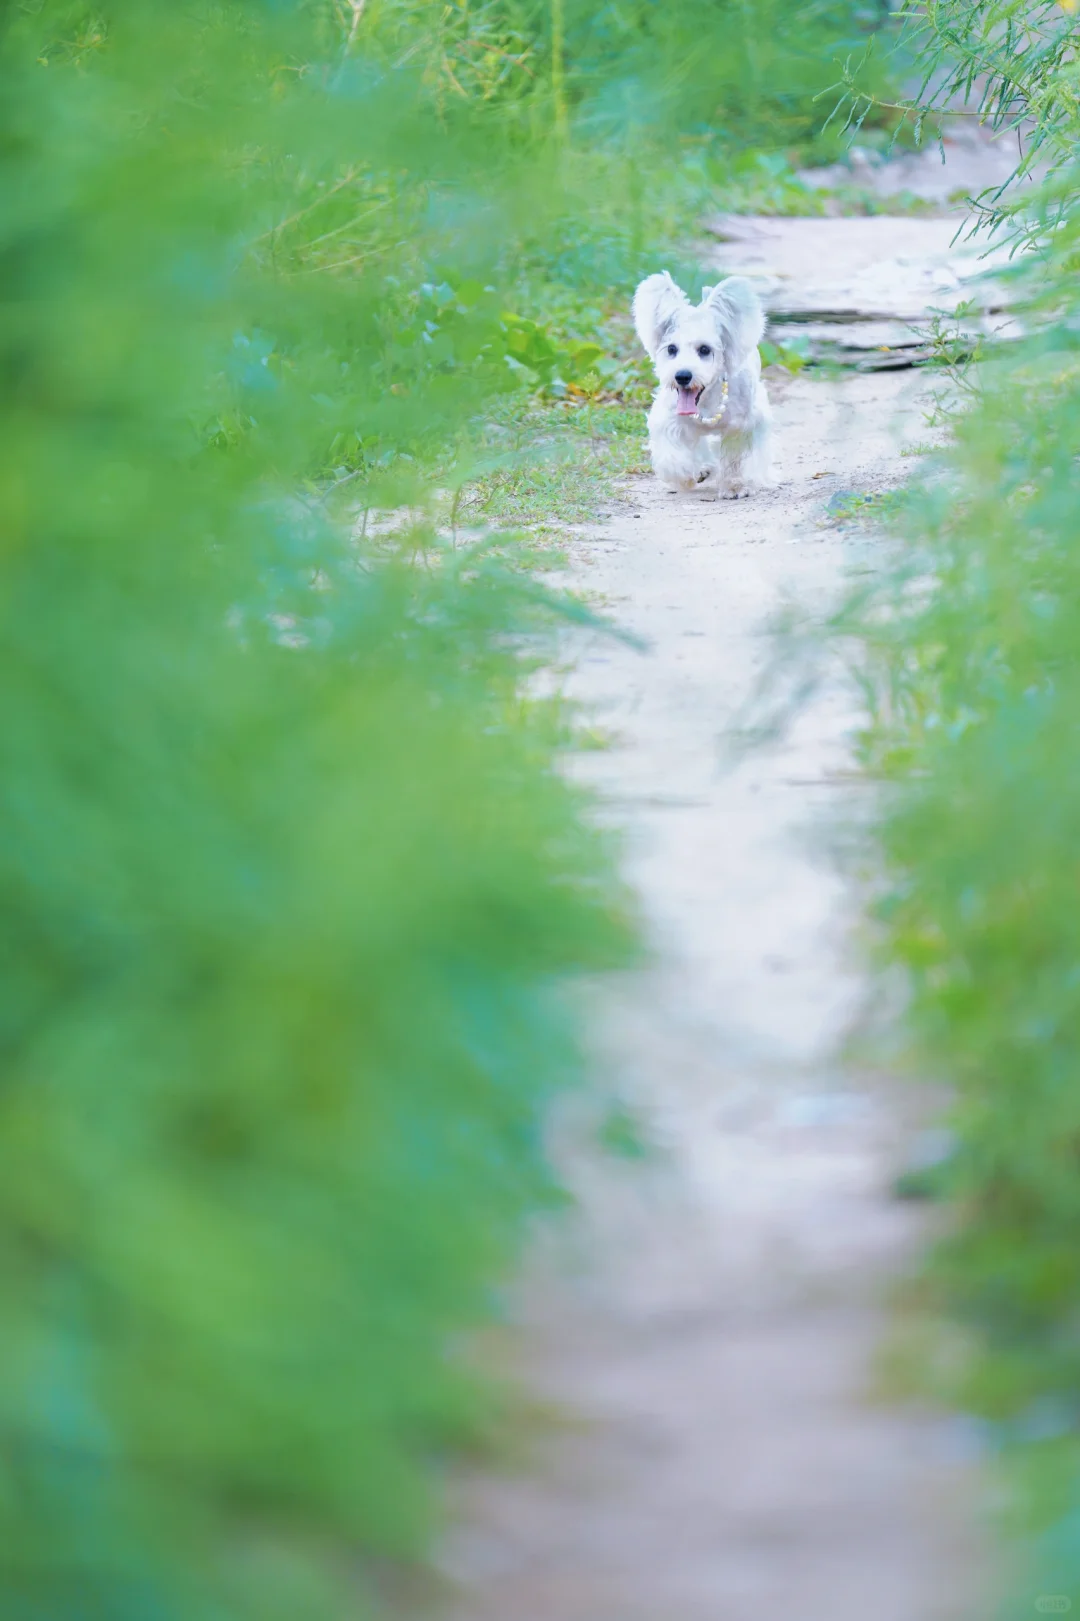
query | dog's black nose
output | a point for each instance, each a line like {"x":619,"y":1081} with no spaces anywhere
{"x":684,"y":378}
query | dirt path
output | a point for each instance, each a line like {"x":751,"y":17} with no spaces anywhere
{"x":706,"y":1326}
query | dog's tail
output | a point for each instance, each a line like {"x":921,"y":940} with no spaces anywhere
{"x":741,"y":317}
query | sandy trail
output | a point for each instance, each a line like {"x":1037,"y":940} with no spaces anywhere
{"x":707,"y":1322}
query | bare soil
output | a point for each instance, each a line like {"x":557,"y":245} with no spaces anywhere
{"x":705,"y":1328}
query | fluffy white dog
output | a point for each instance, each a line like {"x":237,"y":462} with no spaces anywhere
{"x":709,"y":422}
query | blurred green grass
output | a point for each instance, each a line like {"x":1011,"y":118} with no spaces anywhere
{"x":292,"y":883}
{"x":966,"y":644}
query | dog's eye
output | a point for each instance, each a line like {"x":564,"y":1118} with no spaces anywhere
{"x":673,"y":348}
{"x":704,"y":351}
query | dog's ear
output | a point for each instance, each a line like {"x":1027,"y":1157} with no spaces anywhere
{"x":656,"y":303}
{"x":739,"y":316}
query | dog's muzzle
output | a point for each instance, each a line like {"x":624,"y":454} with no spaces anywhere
{"x":689,"y":393}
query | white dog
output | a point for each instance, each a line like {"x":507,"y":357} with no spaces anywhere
{"x":709,"y":422}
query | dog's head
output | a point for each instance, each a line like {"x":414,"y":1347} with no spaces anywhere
{"x":693,"y":346}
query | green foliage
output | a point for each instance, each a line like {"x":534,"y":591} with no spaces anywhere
{"x":290,"y":881}
{"x":620,"y":1133}
{"x":748,"y":73}
{"x":1009,"y":63}
{"x":969,"y":647}
{"x":552,"y":464}
{"x":792,"y":356}
{"x":969,"y":657}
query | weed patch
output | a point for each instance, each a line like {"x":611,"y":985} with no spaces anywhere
{"x":967,"y":648}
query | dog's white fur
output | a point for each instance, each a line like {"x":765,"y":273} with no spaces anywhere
{"x":715,"y":341}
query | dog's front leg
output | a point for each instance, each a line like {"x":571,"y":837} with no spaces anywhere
{"x":674,"y":463}
{"x":736,"y":457}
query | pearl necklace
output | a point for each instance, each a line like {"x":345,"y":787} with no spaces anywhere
{"x":712,"y":422}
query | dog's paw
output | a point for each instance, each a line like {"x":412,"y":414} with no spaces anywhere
{"x":734,"y":492}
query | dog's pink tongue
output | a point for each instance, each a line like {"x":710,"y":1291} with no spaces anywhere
{"x":687,"y":406}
